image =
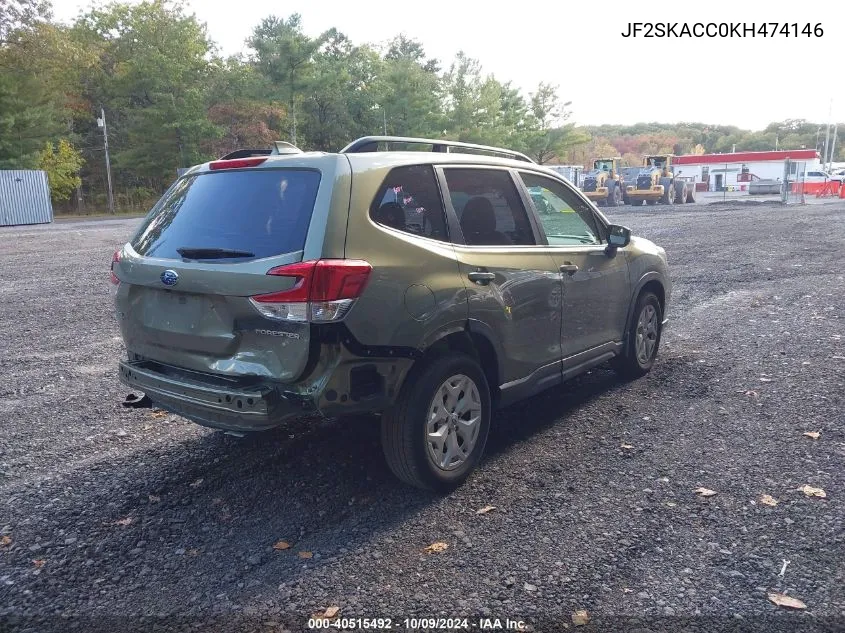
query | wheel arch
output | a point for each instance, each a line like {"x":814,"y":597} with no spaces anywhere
{"x":475,"y":339}
{"x":650,"y":282}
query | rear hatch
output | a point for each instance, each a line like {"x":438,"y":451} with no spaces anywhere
{"x":191,"y":279}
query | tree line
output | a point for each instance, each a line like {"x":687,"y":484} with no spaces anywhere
{"x":632,"y":141}
{"x":171,"y":100}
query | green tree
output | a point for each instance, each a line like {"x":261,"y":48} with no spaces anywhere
{"x":331,"y":83}
{"x":16,"y":16}
{"x":62,"y":165}
{"x":403,"y":47}
{"x":152,"y":79}
{"x":481,"y":109}
{"x":462,"y":95}
{"x":284,"y":54}
{"x":550,"y":136}
{"x":409,"y":92}
{"x":245,"y":123}
{"x":27,"y":120}
{"x":365,"y":67}
{"x":36,"y":68}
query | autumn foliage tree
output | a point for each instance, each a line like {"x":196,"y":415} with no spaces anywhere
{"x":62,"y":165}
{"x":171,"y":100}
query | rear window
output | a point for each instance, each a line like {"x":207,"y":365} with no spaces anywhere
{"x":264,"y":212}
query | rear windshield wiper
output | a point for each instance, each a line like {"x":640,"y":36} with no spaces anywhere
{"x":211,"y":253}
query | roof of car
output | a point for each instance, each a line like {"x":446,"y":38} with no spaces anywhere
{"x":366,"y":161}
{"x":376,"y":152}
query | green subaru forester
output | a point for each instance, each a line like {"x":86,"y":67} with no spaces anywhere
{"x":427,"y":281}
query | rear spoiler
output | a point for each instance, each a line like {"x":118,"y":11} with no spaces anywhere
{"x":279,"y":147}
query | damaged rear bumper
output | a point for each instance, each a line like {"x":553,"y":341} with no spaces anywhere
{"x":340,"y":383}
{"x":213,"y":401}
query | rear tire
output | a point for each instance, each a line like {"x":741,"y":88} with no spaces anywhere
{"x":680,"y":192}
{"x":642,"y":339}
{"x":428,"y":437}
{"x":691,"y":193}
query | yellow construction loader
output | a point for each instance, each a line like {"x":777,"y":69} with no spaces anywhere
{"x":656,"y":182}
{"x":603,"y":184}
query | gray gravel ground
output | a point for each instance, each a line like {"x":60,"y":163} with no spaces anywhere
{"x":126,"y":520}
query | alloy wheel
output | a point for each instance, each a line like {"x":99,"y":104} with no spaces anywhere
{"x":454,"y":422}
{"x":646,"y":335}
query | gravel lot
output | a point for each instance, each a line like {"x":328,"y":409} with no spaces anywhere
{"x":119,"y":520}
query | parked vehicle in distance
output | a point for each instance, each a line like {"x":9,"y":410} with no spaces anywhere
{"x":427,"y":286}
{"x":629,"y":179}
{"x":603,"y":184}
{"x":822,"y":176}
{"x":656,"y":183}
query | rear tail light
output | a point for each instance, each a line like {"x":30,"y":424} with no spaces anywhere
{"x":323,"y":291}
{"x":115,"y":258}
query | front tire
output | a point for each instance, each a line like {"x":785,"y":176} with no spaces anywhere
{"x":643,"y":338}
{"x":614,"y":194}
{"x":668,"y":196}
{"x":434,"y":435}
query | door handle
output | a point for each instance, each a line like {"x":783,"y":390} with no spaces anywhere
{"x":568,"y":268}
{"x":481,"y":278}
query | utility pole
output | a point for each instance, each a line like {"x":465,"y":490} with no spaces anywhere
{"x":827,"y":136}
{"x":293,"y":122}
{"x":101,"y":122}
{"x":383,"y":116}
{"x":832,"y":146}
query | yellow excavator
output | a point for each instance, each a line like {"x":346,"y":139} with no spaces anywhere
{"x":656,"y":182}
{"x":603,"y":183}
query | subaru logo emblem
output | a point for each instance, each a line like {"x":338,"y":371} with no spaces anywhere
{"x":169,"y":277}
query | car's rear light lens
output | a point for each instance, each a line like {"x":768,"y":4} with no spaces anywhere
{"x":324,"y":290}
{"x":236,"y":163}
{"x":115,"y":258}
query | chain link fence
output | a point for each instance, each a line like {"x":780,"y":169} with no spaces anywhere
{"x":794,"y":179}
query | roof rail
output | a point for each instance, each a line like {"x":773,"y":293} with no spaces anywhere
{"x":371,"y":144}
{"x":278,"y":148}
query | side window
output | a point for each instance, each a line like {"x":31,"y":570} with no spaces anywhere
{"x":488,"y":207}
{"x":566,"y":219}
{"x":409,"y":200}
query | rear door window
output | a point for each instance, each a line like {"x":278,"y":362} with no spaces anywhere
{"x":409,"y":200}
{"x":259,"y":212}
{"x":488,"y":207}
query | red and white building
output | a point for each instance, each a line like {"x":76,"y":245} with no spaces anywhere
{"x":735,"y":171}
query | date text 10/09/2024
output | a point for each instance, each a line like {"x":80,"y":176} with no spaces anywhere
{"x":418,"y":624}
{"x":722,"y":29}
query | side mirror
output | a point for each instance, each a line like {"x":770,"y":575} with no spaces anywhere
{"x":618,"y":236}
